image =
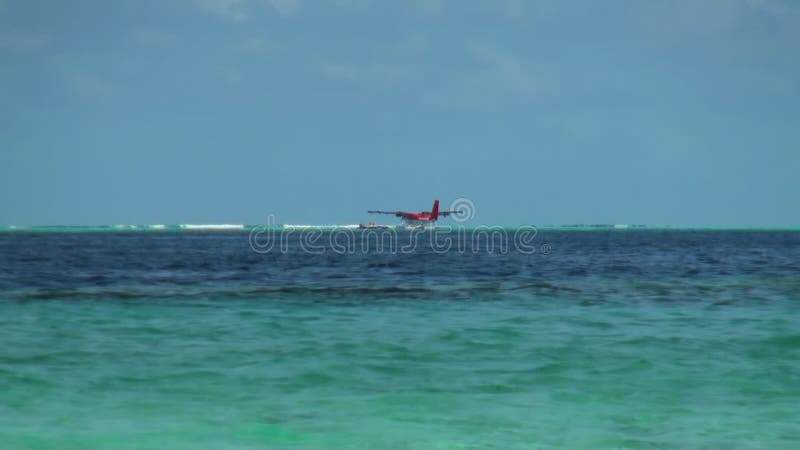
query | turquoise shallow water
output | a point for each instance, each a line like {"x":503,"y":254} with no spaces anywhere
{"x":610,"y":341}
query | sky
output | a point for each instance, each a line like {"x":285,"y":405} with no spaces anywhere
{"x":678,"y":112}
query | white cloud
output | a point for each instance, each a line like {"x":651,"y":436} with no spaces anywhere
{"x":231,"y":76}
{"x":681,"y":18}
{"x":85,"y":83}
{"x":776,"y":7}
{"x":152,"y":36}
{"x":429,"y":8}
{"x":368,"y":74}
{"x":284,"y":8}
{"x":253,"y":44}
{"x":263,"y":46}
{"x":239,"y":10}
{"x":229,"y":9}
{"x":502,"y":71}
{"x":20,"y":41}
{"x":338,"y":71}
{"x":361,"y":6}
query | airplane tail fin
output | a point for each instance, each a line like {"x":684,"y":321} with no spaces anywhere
{"x":435,"y":210}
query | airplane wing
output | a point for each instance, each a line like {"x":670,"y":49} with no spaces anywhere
{"x":447,"y":213}
{"x":396,"y":213}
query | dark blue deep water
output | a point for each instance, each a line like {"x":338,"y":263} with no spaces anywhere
{"x":587,"y":339}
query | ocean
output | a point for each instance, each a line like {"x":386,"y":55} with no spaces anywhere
{"x":240,"y":339}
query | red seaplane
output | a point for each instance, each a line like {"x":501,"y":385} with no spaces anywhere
{"x":414,"y":219}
